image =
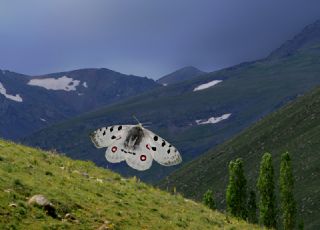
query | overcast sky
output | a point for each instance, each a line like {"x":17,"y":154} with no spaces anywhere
{"x":145,"y":37}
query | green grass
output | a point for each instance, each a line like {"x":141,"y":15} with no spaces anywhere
{"x":92,"y":195}
{"x":294,"y":128}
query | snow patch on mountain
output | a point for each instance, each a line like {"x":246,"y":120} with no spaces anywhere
{"x":3,"y":91}
{"x":207,"y":85}
{"x":213,"y":120}
{"x":63,"y":83}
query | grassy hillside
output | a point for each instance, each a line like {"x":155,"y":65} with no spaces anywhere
{"x":295,"y":128}
{"x":92,"y":196}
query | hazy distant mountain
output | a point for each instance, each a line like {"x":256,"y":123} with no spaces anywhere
{"x":30,"y":103}
{"x":194,"y":115}
{"x":87,"y":89}
{"x":180,"y":75}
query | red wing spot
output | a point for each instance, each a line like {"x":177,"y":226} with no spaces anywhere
{"x":143,"y":157}
{"x":114,"y":149}
{"x":148,"y":146}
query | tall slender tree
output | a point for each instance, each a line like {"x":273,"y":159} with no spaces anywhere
{"x":208,"y":200}
{"x":236,"y":195}
{"x":252,"y":208}
{"x":287,"y":202}
{"x":267,"y":199}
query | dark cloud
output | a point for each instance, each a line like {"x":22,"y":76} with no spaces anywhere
{"x":143,"y":37}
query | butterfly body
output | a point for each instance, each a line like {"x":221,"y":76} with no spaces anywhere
{"x":134,"y":137}
{"x":136,"y":145}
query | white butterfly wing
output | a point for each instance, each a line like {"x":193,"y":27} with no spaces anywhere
{"x":161,"y":150}
{"x":151,"y":147}
{"x":140,"y":158}
{"x":105,"y":136}
{"x":114,"y":153}
{"x":113,"y":138}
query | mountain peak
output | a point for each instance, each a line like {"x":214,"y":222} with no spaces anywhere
{"x":307,"y":39}
{"x":179,"y":75}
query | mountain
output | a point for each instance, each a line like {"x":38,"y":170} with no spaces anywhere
{"x":193,"y":115}
{"x":308,"y":39}
{"x":294,"y":128}
{"x":83,"y":196}
{"x":29,"y":103}
{"x":180,"y":75}
{"x":24,"y":109}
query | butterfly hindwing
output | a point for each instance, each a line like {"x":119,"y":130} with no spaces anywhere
{"x":162,"y":151}
{"x":114,"y":153}
{"x":140,"y":158}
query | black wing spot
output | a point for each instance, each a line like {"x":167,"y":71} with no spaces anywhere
{"x":168,"y":151}
{"x":120,"y":127}
{"x":111,"y":129}
{"x":154,"y":148}
{"x":163,"y":143}
{"x":104,"y":133}
{"x":155,"y":138}
{"x":113,"y":137}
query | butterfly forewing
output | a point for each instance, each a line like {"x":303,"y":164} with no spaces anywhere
{"x":105,"y":136}
{"x":162,"y":151}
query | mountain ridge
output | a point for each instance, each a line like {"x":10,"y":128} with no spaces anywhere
{"x":183,"y":74}
{"x":307,"y":39}
{"x":47,"y":99}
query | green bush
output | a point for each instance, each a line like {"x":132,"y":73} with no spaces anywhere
{"x":208,"y":200}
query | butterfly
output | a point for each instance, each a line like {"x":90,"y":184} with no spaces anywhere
{"x":136,"y":145}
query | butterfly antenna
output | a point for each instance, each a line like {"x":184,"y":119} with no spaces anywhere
{"x":147,"y":124}
{"x":136,"y":119}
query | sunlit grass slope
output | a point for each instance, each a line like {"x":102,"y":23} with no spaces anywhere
{"x":92,"y":196}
